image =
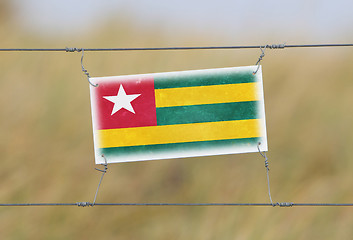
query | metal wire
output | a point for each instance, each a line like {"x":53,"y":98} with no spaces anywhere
{"x":259,"y":61}
{"x":263,"y":154}
{"x":103,"y":172}
{"x":272,"y":46}
{"x":82,"y":67}
{"x":35,"y":204}
{"x":88,"y":204}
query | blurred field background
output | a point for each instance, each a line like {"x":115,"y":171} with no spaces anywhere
{"x":47,"y":148}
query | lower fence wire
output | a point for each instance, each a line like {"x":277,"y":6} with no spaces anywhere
{"x":94,"y":203}
{"x":87,"y":204}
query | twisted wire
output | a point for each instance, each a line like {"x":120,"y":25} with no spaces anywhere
{"x":263,"y":154}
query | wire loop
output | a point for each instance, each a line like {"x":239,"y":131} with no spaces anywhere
{"x":263,"y":154}
{"x":263,"y":48}
{"x":82,"y":67}
{"x":260,"y":59}
{"x":103,"y":172}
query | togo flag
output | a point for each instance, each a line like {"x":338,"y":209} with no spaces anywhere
{"x":178,"y":114}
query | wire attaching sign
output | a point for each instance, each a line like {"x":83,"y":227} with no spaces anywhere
{"x":178,"y":114}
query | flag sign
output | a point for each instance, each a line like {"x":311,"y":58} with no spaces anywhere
{"x":178,"y":114}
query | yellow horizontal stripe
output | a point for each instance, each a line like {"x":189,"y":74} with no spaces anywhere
{"x":209,"y":131}
{"x":241,"y":92}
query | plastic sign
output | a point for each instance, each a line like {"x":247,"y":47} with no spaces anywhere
{"x":178,"y":114}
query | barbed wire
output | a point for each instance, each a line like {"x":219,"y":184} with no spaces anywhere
{"x":270,"y":46}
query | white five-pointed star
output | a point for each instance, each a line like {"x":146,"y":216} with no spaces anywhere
{"x":122,"y":100}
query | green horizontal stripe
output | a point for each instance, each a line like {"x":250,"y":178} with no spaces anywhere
{"x":165,"y":148}
{"x":207,"y":113}
{"x":203,"y":79}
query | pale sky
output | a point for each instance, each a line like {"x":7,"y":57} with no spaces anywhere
{"x":314,"y":20}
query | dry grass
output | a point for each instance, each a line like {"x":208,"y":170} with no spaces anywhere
{"x":47,"y":149}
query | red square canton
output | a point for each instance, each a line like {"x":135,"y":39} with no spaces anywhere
{"x":125,"y":103}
